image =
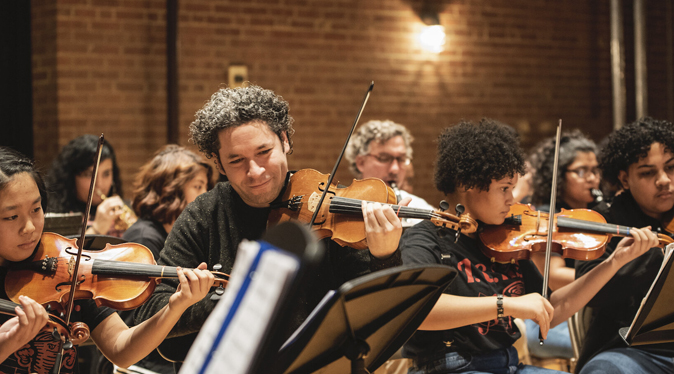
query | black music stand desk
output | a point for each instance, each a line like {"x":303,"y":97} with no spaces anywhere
{"x":654,"y":322}
{"x":362,"y":324}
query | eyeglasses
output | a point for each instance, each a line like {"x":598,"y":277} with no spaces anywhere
{"x":386,"y":158}
{"x":585,"y":172}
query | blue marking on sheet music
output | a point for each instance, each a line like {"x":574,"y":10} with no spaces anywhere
{"x":264,"y":246}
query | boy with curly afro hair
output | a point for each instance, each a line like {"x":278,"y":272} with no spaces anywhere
{"x":639,"y":159}
{"x":471,"y":329}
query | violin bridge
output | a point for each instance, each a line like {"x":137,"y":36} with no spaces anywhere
{"x":312,"y":203}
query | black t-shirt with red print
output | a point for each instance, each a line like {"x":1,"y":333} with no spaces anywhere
{"x":425,"y":243}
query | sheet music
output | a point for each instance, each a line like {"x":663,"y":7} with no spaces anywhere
{"x":668,"y":250}
{"x":232,"y":350}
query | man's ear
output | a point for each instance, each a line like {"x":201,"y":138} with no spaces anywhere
{"x":360,"y":162}
{"x":622,"y":177}
{"x":218,"y":164}
{"x":285,"y":143}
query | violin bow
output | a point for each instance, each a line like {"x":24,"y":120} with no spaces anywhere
{"x":339,"y":159}
{"x":80,"y":245}
{"x":551,"y":219}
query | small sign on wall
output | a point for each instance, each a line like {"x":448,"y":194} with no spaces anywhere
{"x":237,"y":76}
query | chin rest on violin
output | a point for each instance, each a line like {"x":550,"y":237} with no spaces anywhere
{"x":340,"y":216}
{"x":580,"y":234}
{"x":120,"y":276}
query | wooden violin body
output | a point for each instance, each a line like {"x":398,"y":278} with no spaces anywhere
{"x":119,"y":276}
{"x":46,"y":277}
{"x":580,"y":234}
{"x":303,"y":193}
{"x":340,"y":216}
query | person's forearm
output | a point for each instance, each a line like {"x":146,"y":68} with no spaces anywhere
{"x":6,"y":350}
{"x":452,"y":311}
{"x":135,"y":343}
{"x":570,"y":298}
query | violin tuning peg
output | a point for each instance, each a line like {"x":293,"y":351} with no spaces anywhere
{"x":457,"y":235}
{"x":220,"y":290}
{"x":67,"y":345}
{"x":460,"y":209}
{"x":217,"y":267}
{"x":55,"y":334}
{"x":444,"y":205}
{"x":215,"y":297}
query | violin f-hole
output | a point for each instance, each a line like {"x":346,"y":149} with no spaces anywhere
{"x":58,"y":286}
{"x":68,"y":251}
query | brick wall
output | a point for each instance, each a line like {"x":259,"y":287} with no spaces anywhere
{"x":527,"y":63}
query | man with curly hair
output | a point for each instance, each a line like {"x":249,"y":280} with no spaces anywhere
{"x":639,"y":158}
{"x":248,"y":133}
{"x":471,"y":329}
{"x":383,"y":149}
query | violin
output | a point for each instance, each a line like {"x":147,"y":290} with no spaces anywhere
{"x":340,"y":217}
{"x":78,"y":332}
{"x":579,"y":234}
{"x":120,"y":276}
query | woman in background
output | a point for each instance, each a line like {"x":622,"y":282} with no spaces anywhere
{"x":162,"y":189}
{"x":68,"y":183}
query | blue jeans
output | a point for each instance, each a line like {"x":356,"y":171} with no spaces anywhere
{"x":502,"y":361}
{"x":628,"y":361}
{"x":557,"y":344}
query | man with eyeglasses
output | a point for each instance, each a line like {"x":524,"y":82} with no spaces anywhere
{"x":383,"y":149}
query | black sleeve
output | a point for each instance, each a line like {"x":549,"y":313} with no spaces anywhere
{"x":147,"y":237}
{"x":419,"y":246}
{"x":533,"y":279}
{"x":393,"y":260}
{"x":637,"y":274}
{"x":185,"y":246}
{"x":91,"y":314}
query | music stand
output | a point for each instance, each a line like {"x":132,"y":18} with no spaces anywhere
{"x":364,"y":323}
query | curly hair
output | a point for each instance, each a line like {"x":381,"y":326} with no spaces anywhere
{"x":76,"y":157}
{"x":543,"y":161}
{"x":472,"y":156}
{"x":632,"y":143}
{"x":231,"y":107}
{"x":379,"y":131}
{"x":12,"y":163}
{"x":158,"y":188}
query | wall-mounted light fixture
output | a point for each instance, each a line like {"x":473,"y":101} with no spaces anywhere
{"x":432,"y":35}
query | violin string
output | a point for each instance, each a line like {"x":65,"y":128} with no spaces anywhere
{"x":112,"y":268}
{"x":7,"y":307}
{"x":349,"y":205}
{"x":404,"y":212}
{"x":109,"y":267}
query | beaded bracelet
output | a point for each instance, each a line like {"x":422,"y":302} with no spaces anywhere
{"x":499,"y":306}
